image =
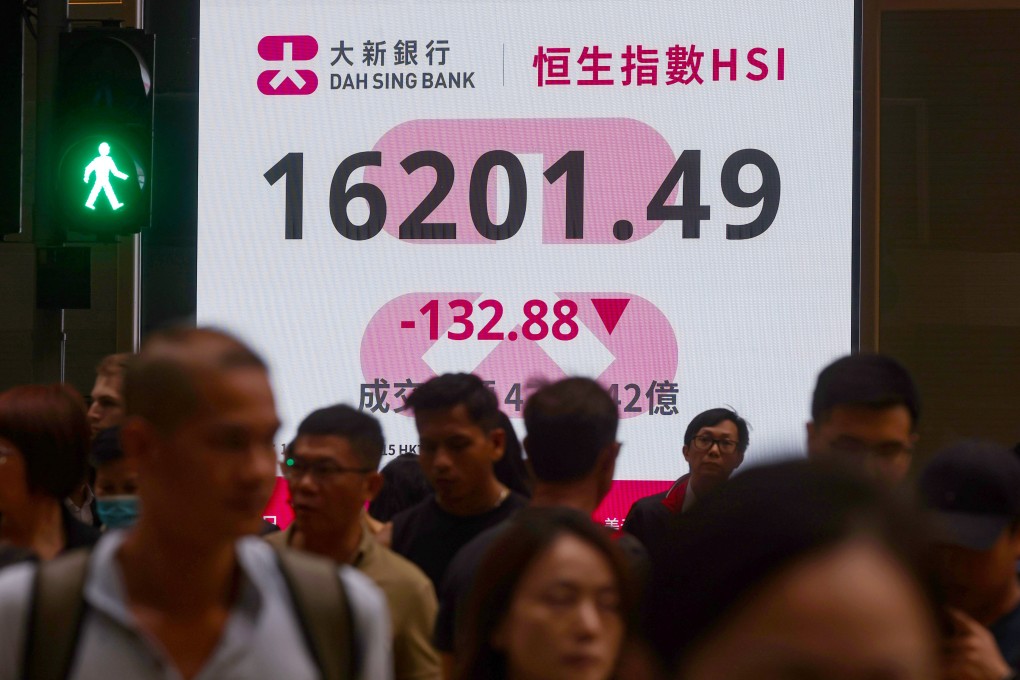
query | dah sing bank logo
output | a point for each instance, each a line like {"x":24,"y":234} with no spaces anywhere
{"x":286,"y":54}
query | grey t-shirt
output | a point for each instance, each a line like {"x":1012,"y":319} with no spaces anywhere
{"x":261,"y":639}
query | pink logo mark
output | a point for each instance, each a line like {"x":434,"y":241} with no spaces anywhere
{"x":288,"y":80}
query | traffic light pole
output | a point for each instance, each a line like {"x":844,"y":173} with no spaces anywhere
{"x":48,"y":332}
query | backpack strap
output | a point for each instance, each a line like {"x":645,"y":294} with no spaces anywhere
{"x":57,"y":609}
{"x":324,"y":612}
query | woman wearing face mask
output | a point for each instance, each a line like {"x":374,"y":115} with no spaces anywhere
{"x":552,"y":601}
{"x":116,"y":485}
{"x":44,"y":442}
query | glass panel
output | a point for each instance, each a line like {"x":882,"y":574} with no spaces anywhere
{"x":950,"y":237}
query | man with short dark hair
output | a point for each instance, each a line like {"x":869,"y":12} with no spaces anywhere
{"x":864,"y":412}
{"x":714,"y":445}
{"x":973,"y":488}
{"x":332,"y":469}
{"x":107,"y":398}
{"x":572,"y":450}
{"x":457,"y":417}
{"x":188,"y":592}
{"x":106,"y":410}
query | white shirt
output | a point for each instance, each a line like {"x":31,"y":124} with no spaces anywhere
{"x":83,"y":514}
{"x":261,"y":639}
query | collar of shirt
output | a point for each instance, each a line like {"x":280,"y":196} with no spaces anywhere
{"x":82,"y":513}
{"x":105,"y":590}
{"x":367,"y":549}
{"x":690,"y":498}
{"x":676,"y":495}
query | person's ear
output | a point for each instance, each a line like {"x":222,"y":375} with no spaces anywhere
{"x":740,"y":457}
{"x":686,"y":452}
{"x":497,"y":437}
{"x":373,"y":485}
{"x":1014,"y":539}
{"x":609,"y":456}
{"x":605,"y":469}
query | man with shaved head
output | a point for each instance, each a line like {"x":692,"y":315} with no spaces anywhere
{"x":188,"y":592}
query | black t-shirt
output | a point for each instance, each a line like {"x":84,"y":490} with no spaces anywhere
{"x":431,"y":537}
{"x":461,"y":576}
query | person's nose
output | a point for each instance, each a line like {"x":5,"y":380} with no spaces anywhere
{"x":441,"y":460}
{"x":93,"y":413}
{"x":259,"y":463}
{"x":305,"y":482}
{"x":589,"y":620}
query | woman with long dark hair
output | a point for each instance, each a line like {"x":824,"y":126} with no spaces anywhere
{"x":44,"y":445}
{"x":553,"y":600}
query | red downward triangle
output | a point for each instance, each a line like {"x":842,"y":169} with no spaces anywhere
{"x":610,"y":310}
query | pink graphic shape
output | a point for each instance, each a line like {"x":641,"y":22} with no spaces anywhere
{"x":272,"y":47}
{"x":625,"y":161}
{"x":610,"y":311}
{"x":622,"y":495}
{"x":279,"y":504}
{"x":390,"y":352}
{"x":517,"y":361}
{"x":288,"y":86}
{"x":643,"y":343}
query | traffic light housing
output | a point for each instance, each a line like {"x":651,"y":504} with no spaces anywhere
{"x":104,"y":127}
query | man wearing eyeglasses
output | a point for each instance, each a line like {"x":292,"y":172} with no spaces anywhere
{"x":864,"y":413}
{"x":714,"y":446}
{"x":332,"y":470}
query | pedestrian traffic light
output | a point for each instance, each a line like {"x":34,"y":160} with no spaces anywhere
{"x":104,"y":132}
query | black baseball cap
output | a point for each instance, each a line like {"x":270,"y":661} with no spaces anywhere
{"x":973,"y":488}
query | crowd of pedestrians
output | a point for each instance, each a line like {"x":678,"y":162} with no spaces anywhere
{"x":132,"y":543}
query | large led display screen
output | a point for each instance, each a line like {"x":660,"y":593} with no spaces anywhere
{"x":658,"y":195}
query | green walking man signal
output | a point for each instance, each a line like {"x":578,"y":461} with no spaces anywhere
{"x":103,"y":166}
{"x":102,"y":134}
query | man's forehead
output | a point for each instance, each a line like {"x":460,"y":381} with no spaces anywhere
{"x":199,"y":350}
{"x":453,"y":419}
{"x":220,"y":399}
{"x":894,"y":417}
{"x":722,"y":426}
{"x":222,"y":392}
{"x":320,"y":445}
{"x":109,"y":383}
